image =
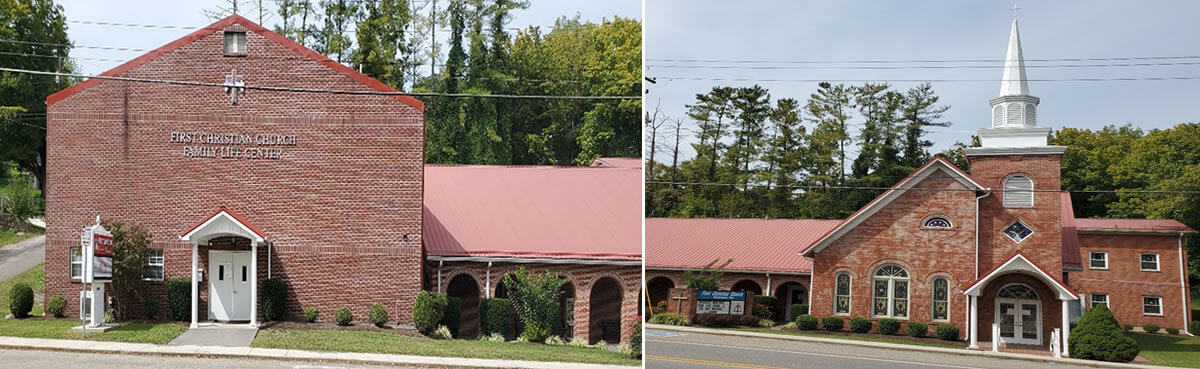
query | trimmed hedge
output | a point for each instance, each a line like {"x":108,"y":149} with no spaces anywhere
{"x":57,"y":306}
{"x":806,"y":322}
{"x":947,"y":332}
{"x":452,"y":315}
{"x":889,"y":326}
{"x":179,"y":299}
{"x":428,"y":311}
{"x":798,"y":310}
{"x":769,"y":303}
{"x":310,"y":314}
{"x":20,"y":300}
{"x":494,"y":315}
{"x":748,"y":320}
{"x":343,"y":316}
{"x":378,"y":315}
{"x":718,"y":320}
{"x":859,"y":324}
{"x":670,"y":319}
{"x":273,"y":299}
{"x":1150,"y":328}
{"x":832,"y":323}
{"x":635,"y":342}
{"x":1098,"y":337}
{"x":917,"y":329}
{"x":1172,"y":331}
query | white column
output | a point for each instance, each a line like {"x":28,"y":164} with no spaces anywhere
{"x":1066,"y":328}
{"x":254,"y":284}
{"x":195,"y":284}
{"x":487,"y":284}
{"x":974,"y":322}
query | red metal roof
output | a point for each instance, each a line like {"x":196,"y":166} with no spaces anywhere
{"x":618,"y":162}
{"x":754,"y":244}
{"x":1071,"y":257}
{"x":218,"y":27}
{"x":533,"y":212}
{"x":1168,"y":225}
{"x":236,"y":216}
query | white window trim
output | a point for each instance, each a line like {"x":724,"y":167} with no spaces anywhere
{"x":1090,"y":259}
{"x":925,"y":221}
{"x":891,"y":294}
{"x":71,"y":255}
{"x":162,"y":264}
{"x":1160,"y":305}
{"x":1032,"y":231}
{"x":1032,"y":194}
{"x":933,"y":299}
{"x":1157,"y":262}
{"x":1092,"y":300}
{"x":849,"y":294}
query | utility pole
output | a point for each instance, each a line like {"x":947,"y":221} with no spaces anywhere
{"x":433,"y":43}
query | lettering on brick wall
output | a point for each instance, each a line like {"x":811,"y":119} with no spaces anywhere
{"x":233,"y":146}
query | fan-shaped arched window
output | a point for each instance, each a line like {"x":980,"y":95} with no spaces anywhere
{"x":941,"y":299}
{"x":841,"y":293}
{"x":937,"y":222}
{"x":890,"y":292}
{"x":1018,"y":191}
{"x":1017,"y":291}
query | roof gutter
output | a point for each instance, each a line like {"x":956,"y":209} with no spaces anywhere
{"x":1164,"y":232}
{"x":751,"y":271}
{"x":484,"y":259}
{"x":986,"y":193}
{"x":1183,"y":290}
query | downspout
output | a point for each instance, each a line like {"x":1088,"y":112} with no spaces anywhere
{"x":1183,"y":286}
{"x":439,"y":272}
{"x":986,"y":192}
{"x":487,"y":284}
{"x":269,"y":244}
{"x":768,"y":291}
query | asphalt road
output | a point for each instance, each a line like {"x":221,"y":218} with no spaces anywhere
{"x":16,"y":259}
{"x":665,"y":349}
{"x":29,"y":359}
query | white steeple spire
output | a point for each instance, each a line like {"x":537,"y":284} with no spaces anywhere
{"x":1014,"y":82}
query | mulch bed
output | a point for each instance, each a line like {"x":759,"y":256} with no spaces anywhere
{"x":928,"y":340}
{"x":334,"y":327}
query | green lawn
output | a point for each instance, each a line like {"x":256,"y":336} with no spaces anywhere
{"x":847,"y":337}
{"x":158,"y":333}
{"x":388,"y":343}
{"x":9,"y":237}
{"x":33,"y":277}
{"x":1169,"y":350}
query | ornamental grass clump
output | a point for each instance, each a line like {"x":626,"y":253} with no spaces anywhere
{"x":1098,"y":337}
{"x":443,"y":332}
{"x":670,"y":319}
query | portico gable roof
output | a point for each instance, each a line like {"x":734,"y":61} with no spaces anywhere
{"x":224,"y":221}
{"x":1019,"y":263}
{"x":935,"y":164}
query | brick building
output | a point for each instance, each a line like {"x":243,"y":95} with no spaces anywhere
{"x":325,"y":191}
{"x":1000,"y":245}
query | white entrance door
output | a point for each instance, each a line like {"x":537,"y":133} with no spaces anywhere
{"x":1020,"y":321}
{"x":229,"y":285}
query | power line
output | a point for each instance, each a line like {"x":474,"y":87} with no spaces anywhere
{"x":932,"y":189}
{"x":1123,"y":58}
{"x":874,"y":67}
{"x":926,"y":80}
{"x":336,"y":92}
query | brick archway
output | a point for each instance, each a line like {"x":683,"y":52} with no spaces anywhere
{"x":466,"y":287}
{"x":659,"y":289}
{"x":605,"y":298}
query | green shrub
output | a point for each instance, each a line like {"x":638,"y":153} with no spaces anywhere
{"x":552,"y":341}
{"x":109,"y":318}
{"x":806,"y":322}
{"x":443,"y":332}
{"x":378,"y":315}
{"x":452,"y":315}
{"x":20,"y":300}
{"x":718,"y":320}
{"x":748,"y":320}
{"x":947,"y":332}
{"x":768,"y":306}
{"x":57,"y":306}
{"x":273,"y":299}
{"x":497,"y":337}
{"x":832,"y":323}
{"x":428,"y":311}
{"x":179,"y":299}
{"x":310,"y":314}
{"x":494,"y":315}
{"x":1097,"y":337}
{"x":1150,"y":328}
{"x":535,"y":299}
{"x":343,"y":316}
{"x":917,"y":329}
{"x":1172,"y":331}
{"x":889,"y":326}
{"x":798,"y":310}
{"x":635,"y":342}
{"x":1194,"y":327}
{"x":1126,"y":328}
{"x":670,"y":319}
{"x":578,"y":342}
{"x":766,"y":323}
{"x":859,"y":324}
{"x":150,"y":307}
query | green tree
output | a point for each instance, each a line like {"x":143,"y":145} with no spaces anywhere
{"x":785,"y":158}
{"x":382,"y":42}
{"x":130,"y":245}
{"x":706,"y":278}
{"x":331,"y":37}
{"x":920,"y":110}
{"x":534,"y":297}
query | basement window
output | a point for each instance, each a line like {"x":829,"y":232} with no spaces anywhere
{"x":235,"y":43}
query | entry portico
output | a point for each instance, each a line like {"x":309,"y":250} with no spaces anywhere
{"x":1013,"y":298}
{"x":225,"y":223}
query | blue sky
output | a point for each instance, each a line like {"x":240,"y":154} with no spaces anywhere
{"x":188,"y":13}
{"x":940,"y":30}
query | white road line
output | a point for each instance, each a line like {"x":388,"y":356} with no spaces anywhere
{"x":816,"y":354}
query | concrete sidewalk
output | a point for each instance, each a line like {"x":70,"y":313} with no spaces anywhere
{"x":279,"y":354}
{"x":903,"y":347}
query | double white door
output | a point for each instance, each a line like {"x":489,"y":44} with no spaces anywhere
{"x":229,"y":285}
{"x":1020,"y":321}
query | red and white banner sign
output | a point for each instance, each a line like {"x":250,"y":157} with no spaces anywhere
{"x":97,"y":245}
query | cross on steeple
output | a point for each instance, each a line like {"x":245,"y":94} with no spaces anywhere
{"x":1014,"y":10}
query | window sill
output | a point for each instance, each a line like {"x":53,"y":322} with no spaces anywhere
{"x":1152,"y":270}
{"x":1148,"y":314}
{"x":1092,"y":268}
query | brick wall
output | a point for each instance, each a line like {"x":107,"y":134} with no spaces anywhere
{"x":1125,"y":283}
{"x":659,"y":291}
{"x":1044,"y":246}
{"x":335,"y":206}
{"x":581,"y":279}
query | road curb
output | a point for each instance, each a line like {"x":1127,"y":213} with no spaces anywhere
{"x":902,"y":347}
{"x":60,"y":345}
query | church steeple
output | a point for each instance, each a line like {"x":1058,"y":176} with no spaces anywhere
{"x":1014,"y":82}
{"x":1015,"y":108}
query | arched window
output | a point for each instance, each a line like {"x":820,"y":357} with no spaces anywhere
{"x":1017,"y":291}
{"x":937,"y":222}
{"x":941,"y":299}
{"x":890,"y":292}
{"x":1018,"y":191}
{"x":841,"y":292}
